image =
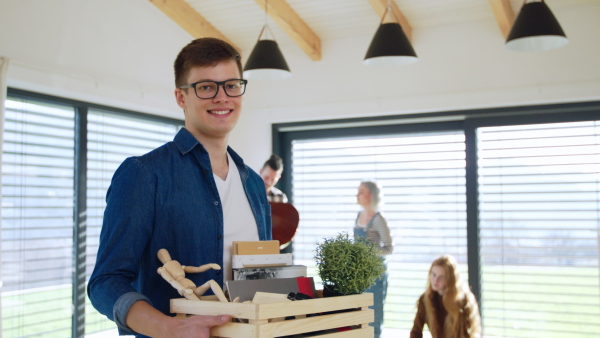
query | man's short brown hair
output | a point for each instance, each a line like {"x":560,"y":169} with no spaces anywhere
{"x":274,"y":162}
{"x":203,"y":52}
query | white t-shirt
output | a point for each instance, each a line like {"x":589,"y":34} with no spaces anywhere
{"x":239,"y":222}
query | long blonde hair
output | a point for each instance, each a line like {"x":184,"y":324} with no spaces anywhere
{"x":463,"y":319}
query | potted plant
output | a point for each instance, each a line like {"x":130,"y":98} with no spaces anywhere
{"x":347,"y":265}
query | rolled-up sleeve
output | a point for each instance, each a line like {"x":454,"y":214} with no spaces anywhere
{"x":121,"y":308}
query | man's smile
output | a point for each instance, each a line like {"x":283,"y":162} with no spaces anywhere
{"x":220,"y":112}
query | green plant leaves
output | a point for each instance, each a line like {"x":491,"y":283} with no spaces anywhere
{"x":348,"y":265}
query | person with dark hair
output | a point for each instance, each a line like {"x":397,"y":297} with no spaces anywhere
{"x":447,"y":306}
{"x":373,"y":227}
{"x":271,"y":173}
{"x":193,"y":197}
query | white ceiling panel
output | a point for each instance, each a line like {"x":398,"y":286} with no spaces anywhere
{"x":242,"y":20}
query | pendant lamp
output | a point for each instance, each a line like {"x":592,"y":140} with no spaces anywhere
{"x":266,"y":62}
{"x":535,"y":29}
{"x":390,"y":46}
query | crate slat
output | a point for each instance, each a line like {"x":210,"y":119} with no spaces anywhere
{"x":318,"y":323}
{"x":267,"y":320}
{"x":365,"y":332}
{"x":213,"y":308}
{"x":314,"y":305}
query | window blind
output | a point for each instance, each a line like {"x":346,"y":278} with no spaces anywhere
{"x":37,"y":219}
{"x":40,"y":159}
{"x":111,"y":139}
{"x":423,"y":182}
{"x":539,"y":193}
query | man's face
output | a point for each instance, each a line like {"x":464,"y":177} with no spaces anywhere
{"x":270,"y":177}
{"x":210,"y":118}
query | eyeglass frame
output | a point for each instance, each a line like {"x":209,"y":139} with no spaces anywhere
{"x":219,"y":84}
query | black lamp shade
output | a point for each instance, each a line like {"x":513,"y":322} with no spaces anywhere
{"x":266,"y":62}
{"x":390,"y":46}
{"x":535,"y":29}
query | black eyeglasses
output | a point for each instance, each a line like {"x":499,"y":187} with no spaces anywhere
{"x":210,"y":89}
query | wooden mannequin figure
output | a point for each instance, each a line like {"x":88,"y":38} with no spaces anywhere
{"x":174,"y":273}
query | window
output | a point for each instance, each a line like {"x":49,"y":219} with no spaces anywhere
{"x":42,"y":152}
{"x":539,"y":189}
{"x":423,"y":183}
{"x":513,"y":192}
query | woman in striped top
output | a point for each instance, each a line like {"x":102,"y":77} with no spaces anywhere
{"x":371,"y":225}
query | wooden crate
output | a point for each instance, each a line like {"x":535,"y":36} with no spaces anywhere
{"x":268,"y":320}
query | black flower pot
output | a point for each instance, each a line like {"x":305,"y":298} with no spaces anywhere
{"x":329,"y":291}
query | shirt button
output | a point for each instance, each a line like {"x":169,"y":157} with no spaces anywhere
{"x":219,"y":236}
{"x":216,"y":202}
{"x":219,"y":272}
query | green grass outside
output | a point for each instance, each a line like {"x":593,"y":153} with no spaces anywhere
{"x":570,"y":298}
{"x":46,"y":314}
{"x":37,"y":314}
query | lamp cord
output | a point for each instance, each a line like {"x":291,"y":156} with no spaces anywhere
{"x":266,"y":25}
{"x":388,"y":8}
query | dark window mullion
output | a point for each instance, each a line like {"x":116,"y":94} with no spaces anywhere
{"x":79,"y":223}
{"x":472,"y":195}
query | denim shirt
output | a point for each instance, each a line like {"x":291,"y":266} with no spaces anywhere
{"x":168,"y":199}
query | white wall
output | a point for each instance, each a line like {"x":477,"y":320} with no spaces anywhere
{"x":112,"y":52}
{"x":120,"y":53}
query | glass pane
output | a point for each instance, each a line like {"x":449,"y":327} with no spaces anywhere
{"x":37,"y":219}
{"x":423,"y":183}
{"x":539,"y":189}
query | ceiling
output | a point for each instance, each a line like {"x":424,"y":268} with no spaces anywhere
{"x":118,"y":53}
{"x":307,"y":23}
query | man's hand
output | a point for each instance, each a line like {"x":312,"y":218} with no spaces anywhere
{"x":194,"y":326}
{"x":145,"y":319}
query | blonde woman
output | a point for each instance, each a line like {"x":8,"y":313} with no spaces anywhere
{"x":371,"y":225}
{"x":447,"y":306}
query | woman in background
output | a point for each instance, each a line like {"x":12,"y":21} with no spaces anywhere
{"x":447,"y":306}
{"x":373,"y":227}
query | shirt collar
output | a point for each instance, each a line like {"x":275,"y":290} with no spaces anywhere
{"x":185,"y":141}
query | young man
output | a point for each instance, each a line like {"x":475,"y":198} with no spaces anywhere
{"x":271,"y":173}
{"x":192,"y":196}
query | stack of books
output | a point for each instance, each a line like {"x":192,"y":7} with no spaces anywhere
{"x":260,"y":267}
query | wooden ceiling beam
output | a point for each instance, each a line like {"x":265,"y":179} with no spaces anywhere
{"x":291,"y":23}
{"x":189,"y":19}
{"x":380,"y":5}
{"x":504,"y":15}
